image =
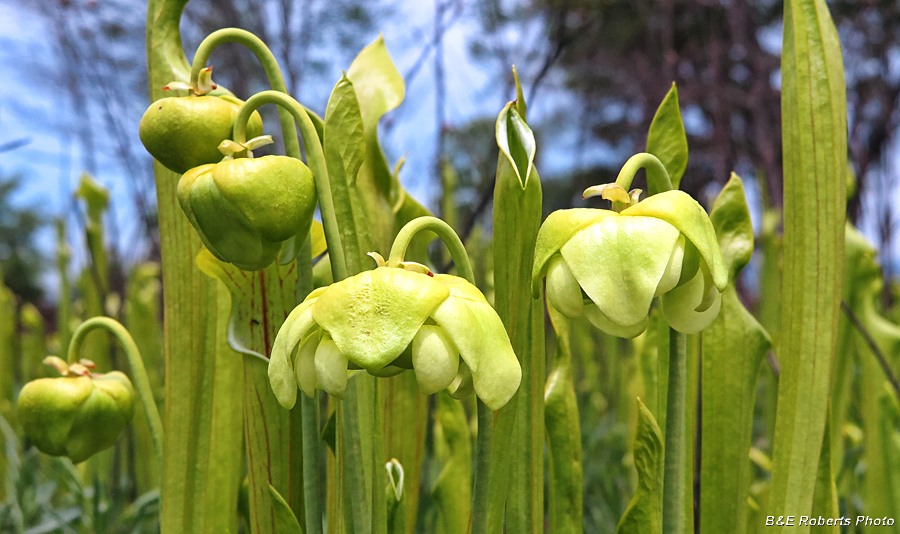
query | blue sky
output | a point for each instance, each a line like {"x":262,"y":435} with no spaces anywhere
{"x":52,"y":163}
{"x":31,"y":105}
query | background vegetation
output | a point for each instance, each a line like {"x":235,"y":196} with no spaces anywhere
{"x":593,"y":73}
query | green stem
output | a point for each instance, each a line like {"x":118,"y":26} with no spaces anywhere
{"x":673,"y":476}
{"x":315,"y":159}
{"x":139,"y":374}
{"x":443,"y":231}
{"x":482,"y":468}
{"x":658,"y":180}
{"x":357,"y":516}
{"x":310,"y":440}
{"x":485,"y":414}
{"x":270,"y":65}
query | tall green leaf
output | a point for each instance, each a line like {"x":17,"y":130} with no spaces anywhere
{"x":358,"y":213}
{"x":260,"y":302}
{"x":667,"y":139}
{"x":733,"y":348}
{"x":141,"y":316}
{"x":644,"y":515}
{"x":814,"y":123}
{"x":452,"y":491}
{"x":285,"y":520}
{"x":189,"y":306}
{"x":518,"y":448}
{"x":863,"y":278}
{"x":563,"y":428}
{"x":825,"y":502}
{"x":380,"y":88}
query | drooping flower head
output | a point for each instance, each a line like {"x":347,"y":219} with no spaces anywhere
{"x":77,"y":414}
{"x":245,"y":208}
{"x":183,"y":132}
{"x":396,"y":317}
{"x":609,"y":265}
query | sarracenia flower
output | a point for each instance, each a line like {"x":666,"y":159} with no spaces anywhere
{"x":77,"y":414}
{"x":245,"y":208}
{"x":183,"y":132}
{"x":391,"y":319}
{"x":609,"y":264}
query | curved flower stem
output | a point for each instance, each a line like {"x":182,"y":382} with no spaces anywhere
{"x":658,"y":180}
{"x":447,"y":235}
{"x":315,"y":159}
{"x":673,"y":475}
{"x":270,"y":65}
{"x":138,"y":371}
{"x":485,"y":414}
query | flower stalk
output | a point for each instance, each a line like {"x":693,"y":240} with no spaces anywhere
{"x":138,"y":371}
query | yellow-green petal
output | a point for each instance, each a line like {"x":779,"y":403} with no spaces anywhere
{"x":374,"y":315}
{"x":46,"y":409}
{"x":672,"y":274}
{"x":679,"y":306}
{"x":596,"y":317}
{"x":305,"y":366}
{"x":558,"y":228}
{"x":281,"y":373}
{"x":684,"y":213}
{"x":563,"y":290}
{"x":462,"y":386}
{"x":100,"y":420}
{"x":225,"y":230}
{"x":619,"y":262}
{"x":276,"y":194}
{"x":435,"y":359}
{"x":331,"y":368}
{"x":479,"y":334}
{"x":386,"y":371}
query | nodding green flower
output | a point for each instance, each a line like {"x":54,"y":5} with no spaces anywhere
{"x":609,"y":265}
{"x":77,"y":414}
{"x":245,"y":208}
{"x":183,"y":132}
{"x":389,"y":320}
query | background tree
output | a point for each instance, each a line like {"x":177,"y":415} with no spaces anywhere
{"x":20,"y":261}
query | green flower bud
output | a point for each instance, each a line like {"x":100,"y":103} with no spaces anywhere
{"x":620,"y":260}
{"x":245,"y":208}
{"x":77,"y":415}
{"x":391,"y":319}
{"x":185,"y":132}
